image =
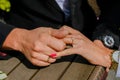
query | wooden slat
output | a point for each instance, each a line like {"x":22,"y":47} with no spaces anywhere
{"x":23,"y":71}
{"x":78,"y":70}
{"x":12,"y":60}
{"x":67,"y":68}
{"x":99,"y":73}
{"x":7,"y":65}
{"x":54,"y":71}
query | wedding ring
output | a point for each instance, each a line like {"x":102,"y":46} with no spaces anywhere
{"x":48,"y":59}
{"x":71,"y":43}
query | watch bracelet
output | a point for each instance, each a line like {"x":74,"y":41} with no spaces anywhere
{"x":114,"y":66}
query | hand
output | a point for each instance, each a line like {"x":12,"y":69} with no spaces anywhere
{"x":36,"y":44}
{"x":83,"y":46}
{"x":100,"y":44}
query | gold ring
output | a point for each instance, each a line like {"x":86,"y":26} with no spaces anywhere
{"x":48,"y":59}
{"x":70,"y":45}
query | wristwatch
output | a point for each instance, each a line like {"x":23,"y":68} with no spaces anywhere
{"x":107,"y":40}
{"x":116,"y":56}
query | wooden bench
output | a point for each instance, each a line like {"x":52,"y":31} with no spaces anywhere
{"x":71,"y":67}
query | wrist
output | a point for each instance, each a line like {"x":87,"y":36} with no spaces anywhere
{"x":12,"y":41}
{"x":107,"y":40}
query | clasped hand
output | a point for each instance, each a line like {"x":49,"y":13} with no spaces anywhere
{"x":95,"y":52}
{"x":39,"y":44}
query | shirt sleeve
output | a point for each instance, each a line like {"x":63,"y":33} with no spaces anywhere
{"x":5,"y":29}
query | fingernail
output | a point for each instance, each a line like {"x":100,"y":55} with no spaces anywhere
{"x":53,"y":55}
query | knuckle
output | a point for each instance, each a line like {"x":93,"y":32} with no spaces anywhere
{"x":36,"y":47}
{"x":33,"y":55}
{"x":62,"y":47}
{"x":81,"y":41}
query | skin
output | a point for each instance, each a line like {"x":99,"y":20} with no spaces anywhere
{"x":36,"y":44}
{"x":95,"y":52}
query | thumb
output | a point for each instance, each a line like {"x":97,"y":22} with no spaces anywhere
{"x":66,"y":52}
{"x":70,"y":30}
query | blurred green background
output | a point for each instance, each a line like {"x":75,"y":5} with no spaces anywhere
{"x":5,"y":5}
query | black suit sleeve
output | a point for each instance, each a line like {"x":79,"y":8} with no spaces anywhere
{"x":104,"y":30}
{"x":109,"y":20}
{"x":4,"y":31}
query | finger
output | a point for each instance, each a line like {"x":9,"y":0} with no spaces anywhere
{"x":106,"y":62}
{"x":52,"y":43}
{"x":60,"y":33}
{"x":42,"y":57}
{"x":71,"y":41}
{"x":37,"y":62}
{"x":107,"y":69}
{"x":108,"y":59}
{"x":66,"y":52}
{"x":56,"y":44}
{"x":70,"y":30}
{"x":68,"y":40}
{"x":43,"y":48}
{"x":46,"y":50}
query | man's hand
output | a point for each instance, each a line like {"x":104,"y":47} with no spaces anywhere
{"x":36,"y":44}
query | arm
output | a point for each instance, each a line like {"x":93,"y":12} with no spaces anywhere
{"x":36,"y":44}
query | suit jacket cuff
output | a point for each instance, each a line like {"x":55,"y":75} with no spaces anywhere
{"x":4,"y":31}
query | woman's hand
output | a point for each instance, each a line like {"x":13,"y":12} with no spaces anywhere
{"x":93,"y":52}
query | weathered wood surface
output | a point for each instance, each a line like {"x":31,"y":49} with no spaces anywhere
{"x":72,"y":67}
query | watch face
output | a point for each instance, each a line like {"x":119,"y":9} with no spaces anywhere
{"x":108,"y":41}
